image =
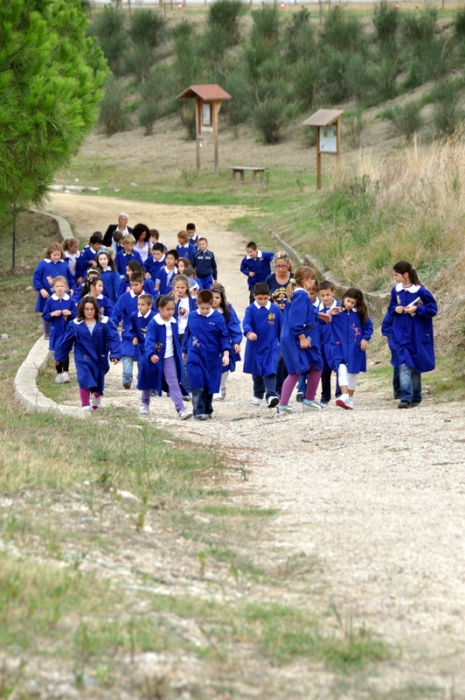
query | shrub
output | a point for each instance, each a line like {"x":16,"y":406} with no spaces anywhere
{"x":139,"y":60}
{"x":305,"y":81}
{"x":238,"y":107}
{"x":386,"y":21}
{"x":417,"y":28}
{"x":147,"y":27}
{"x":108,"y":23}
{"x":213,"y":45}
{"x":385,"y":77}
{"x":256,"y":54}
{"x":342,"y":32}
{"x":407,"y":119}
{"x":109,"y":30}
{"x":113,"y":116}
{"x":147,"y":116}
{"x":223,"y":15}
{"x":300,"y":37}
{"x":447,"y":112}
{"x":269,"y":117}
{"x":265,"y":25}
{"x":459,"y":24}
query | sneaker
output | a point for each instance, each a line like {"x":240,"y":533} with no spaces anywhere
{"x":144,"y":409}
{"x":300,"y":396}
{"x":154,"y":393}
{"x":351,"y":402}
{"x":324,"y":402}
{"x":185,"y":415}
{"x":404,"y":404}
{"x":86,"y":409}
{"x":59,"y":379}
{"x":217,"y":397}
{"x":343,"y":401}
{"x":272,"y":401}
{"x":256,"y":402}
{"x":66,"y":379}
{"x":307,"y":404}
{"x":95,"y":403}
{"x":283,"y":410}
{"x":415,"y":403}
{"x":46,"y":336}
{"x":185,"y":397}
{"x":127,"y":384}
{"x":202,"y":416}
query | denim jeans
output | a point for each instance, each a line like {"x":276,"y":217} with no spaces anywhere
{"x":410,"y":384}
{"x":202,"y":401}
{"x":264,"y":386}
{"x":396,"y":383}
{"x":128,"y":363}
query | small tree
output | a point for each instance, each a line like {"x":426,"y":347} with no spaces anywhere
{"x":224,"y":15}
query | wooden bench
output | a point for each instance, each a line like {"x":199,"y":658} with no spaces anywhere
{"x":241,"y":170}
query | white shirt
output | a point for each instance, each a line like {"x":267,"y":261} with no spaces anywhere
{"x":143,"y":251}
{"x":169,"y":351}
{"x":183,"y":314}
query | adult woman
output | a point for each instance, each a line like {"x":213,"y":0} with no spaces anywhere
{"x":278,"y":282}
{"x":121,"y":226}
{"x":141,"y":233}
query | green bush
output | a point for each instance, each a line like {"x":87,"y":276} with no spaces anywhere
{"x":459,"y":24}
{"x":269,"y":117}
{"x":213,"y":46}
{"x":407,"y":119}
{"x":305,"y":82}
{"x":108,"y":27}
{"x":223,"y":15}
{"x":447,"y":113}
{"x":299,"y":38}
{"x":138,"y":61}
{"x":386,"y":21}
{"x":238,"y":107}
{"x":343,"y":32}
{"x":385,"y":78}
{"x":265,"y":25}
{"x":113,"y":116}
{"x":147,"y":27}
{"x":158,"y":90}
{"x":256,"y":54}
{"x":148,"y":115}
{"x":419,"y":27}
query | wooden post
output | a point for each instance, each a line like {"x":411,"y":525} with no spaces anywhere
{"x":338,"y":152}
{"x":215,"y":109}
{"x":198,"y":121}
{"x":318,"y":159}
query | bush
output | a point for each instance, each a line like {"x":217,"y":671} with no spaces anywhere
{"x":223,"y":15}
{"x":213,"y":45}
{"x":305,"y":82}
{"x":300,"y":37}
{"x":418,"y":28}
{"x":386,"y":77}
{"x":269,"y":117}
{"x":256,"y":54}
{"x":407,"y":119}
{"x":109,"y":30}
{"x":447,"y":112}
{"x":147,"y":27}
{"x":148,"y":115}
{"x":238,"y":107}
{"x":386,"y":21}
{"x":342,"y":32}
{"x":139,"y":60}
{"x":459,"y":24}
{"x":265,"y":25}
{"x":113,"y":116}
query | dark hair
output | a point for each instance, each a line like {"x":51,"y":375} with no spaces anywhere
{"x":136,"y":277}
{"x":202,"y":239}
{"x":326,"y":284}
{"x":219,"y":289}
{"x":261,"y":288}
{"x":146,"y":297}
{"x":82,"y":303}
{"x":251,"y":245}
{"x":90,"y":282}
{"x":158,"y":246}
{"x":403,"y":267}
{"x":96,"y":238}
{"x":354,"y":293}
{"x":183,"y":236}
{"x":139,"y":229}
{"x":164,"y":300}
{"x":111,"y":262}
{"x":134,"y":266}
{"x":92,"y":272}
{"x":190,"y":227}
{"x":186,"y":261}
{"x":174,"y":253}
{"x":205,"y":297}
{"x":117,"y":236}
{"x":189,"y":272}
{"x":182,"y":278}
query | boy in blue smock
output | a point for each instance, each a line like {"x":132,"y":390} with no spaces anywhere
{"x":185,"y":248}
{"x":256,"y":266}
{"x":155,"y":261}
{"x":139,"y":322}
{"x":123,"y":257}
{"x":89,"y":254}
{"x":59,"y":310}
{"x":166,"y":274}
{"x":205,"y":265}
{"x":262,"y":328}
{"x":193,"y":235}
{"x":206,"y":348}
{"x":327,"y":305}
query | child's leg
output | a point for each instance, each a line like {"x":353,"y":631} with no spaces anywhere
{"x":258,"y":386}
{"x":312,"y":383}
{"x":302,"y":386}
{"x":406,"y":384}
{"x":281,"y":375}
{"x":128,"y":364}
{"x":326,"y":383}
{"x":95,"y":400}
{"x":396,"y":383}
{"x":288,"y":387}
{"x":416,"y":387}
{"x":46,"y":328}
{"x":208,"y":403}
{"x":171,"y":376}
{"x":199,"y":401}
{"x":145,"y":396}
{"x":185,"y":379}
{"x":85,"y":398}
{"x":59,"y":368}
{"x":224,"y":380}
{"x":343,"y":378}
{"x":351,"y":383}
{"x":270,"y":385}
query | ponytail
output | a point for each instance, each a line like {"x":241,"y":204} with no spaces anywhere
{"x":403,"y":267}
{"x":302,"y":274}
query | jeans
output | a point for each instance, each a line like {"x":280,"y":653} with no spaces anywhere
{"x":396,"y":383}
{"x":128,"y":363}
{"x":410,"y":384}
{"x":264,"y":386}
{"x":202,"y":401}
{"x":326,"y":383}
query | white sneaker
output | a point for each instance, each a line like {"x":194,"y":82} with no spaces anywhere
{"x":343,"y":401}
{"x":217,"y":397}
{"x":66,"y":379}
{"x":95,"y":403}
{"x":256,"y":402}
{"x":59,"y":379}
{"x":285,"y":410}
{"x":144,"y":409}
{"x":86,"y":409}
{"x":351,"y":402}
{"x":308,"y":405}
{"x":185,"y":415}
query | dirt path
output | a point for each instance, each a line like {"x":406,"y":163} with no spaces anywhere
{"x":377,"y":495}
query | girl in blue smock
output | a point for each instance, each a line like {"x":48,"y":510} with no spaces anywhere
{"x":161,"y":366}
{"x":411,"y":310}
{"x":94,"y":287}
{"x":351,"y":330}
{"x":108,"y":274}
{"x":59,"y":310}
{"x":300,"y":342}
{"x":72,"y":256}
{"x":125,"y":284}
{"x":233,"y":325}
{"x":93,"y":339}
{"x":50,"y":267}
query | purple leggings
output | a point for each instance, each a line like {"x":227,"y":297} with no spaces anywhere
{"x":85,"y":396}
{"x":171,"y":376}
{"x":292,"y":379}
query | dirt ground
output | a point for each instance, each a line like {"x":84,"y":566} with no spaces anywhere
{"x":377,"y":494}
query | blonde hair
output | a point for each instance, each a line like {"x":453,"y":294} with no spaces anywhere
{"x":60,"y":278}
{"x":302,"y":274}
{"x":129,"y":239}
{"x":69,"y":242}
{"x":282,"y":255}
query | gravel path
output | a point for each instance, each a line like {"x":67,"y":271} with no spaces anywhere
{"x":376,"y":494}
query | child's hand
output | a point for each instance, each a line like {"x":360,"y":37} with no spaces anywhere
{"x":225,"y":358}
{"x":410,"y":309}
{"x":334,"y":311}
{"x":237,"y":347}
{"x":251,"y":274}
{"x":324,"y":316}
{"x":363,"y":344}
{"x":66,"y":312}
{"x":92,"y":263}
{"x":44,"y":294}
{"x":50,"y":280}
{"x":71,"y":291}
{"x":135,"y":341}
{"x":399,"y":309}
{"x":114,"y":360}
{"x":154,"y":359}
{"x":305,"y":343}
{"x":184,"y":356}
{"x":252,"y":336}
{"x":78,"y":282}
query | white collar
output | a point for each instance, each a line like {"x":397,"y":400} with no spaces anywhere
{"x":162,"y":259}
{"x":158,"y":319}
{"x":208,"y":315}
{"x":322,"y":307}
{"x":316,"y":303}
{"x":144,"y":315}
{"x":133,"y":294}
{"x":169,"y":272}
{"x":413,"y":289}
{"x":267,"y":305}
{"x":259,"y":255}
{"x":65,"y":297}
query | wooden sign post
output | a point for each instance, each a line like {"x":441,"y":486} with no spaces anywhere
{"x":208,"y":100}
{"x":328,"y":136}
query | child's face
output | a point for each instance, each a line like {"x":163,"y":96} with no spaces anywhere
{"x":182,"y":240}
{"x":89,"y":312}
{"x":181,"y":266}
{"x":55,"y":256}
{"x":103,"y":260}
{"x":167,"y":311}
{"x":252,"y":252}
{"x":153,"y":240}
{"x":91,"y":274}
{"x":143,"y":306}
{"x":128,"y":247}
{"x":262,"y":299}
{"x":170,"y":261}
{"x":157,"y":254}
{"x":60,"y":289}
{"x":404,"y":278}
{"x":203,"y":245}
{"x":216,"y":300}
{"x":97,"y":287}
{"x":191,"y":232}
{"x":327,"y":296}
{"x":97,"y":246}
{"x":73,"y":248}
{"x":313,"y":293}
{"x":349,"y":303}
{"x":180,"y":289}
{"x":137,"y":287}
{"x":204,"y":308}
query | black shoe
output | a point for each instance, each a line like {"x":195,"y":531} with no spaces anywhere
{"x":127,"y":385}
{"x":325,"y":402}
{"x":397,"y":397}
{"x":404,"y":404}
{"x":272,"y":401}
{"x":300,"y":396}
{"x":415,"y":403}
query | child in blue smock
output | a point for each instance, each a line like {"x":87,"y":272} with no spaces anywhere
{"x":411,"y":309}
{"x":108,"y":273}
{"x":94,"y":287}
{"x":166,"y":274}
{"x":328,"y":308}
{"x":50,"y":267}
{"x":233,"y":325}
{"x":351,"y":330}
{"x":59,"y":310}
{"x":262,"y":327}
{"x":386,"y":332}
{"x":125,"y":285}
{"x":256,"y":266}
{"x":124,"y":256}
{"x":185,"y":248}
{"x":161,"y":366}
{"x":204,"y":263}
{"x":94,"y":339}
{"x":300,"y":342}
{"x":140,"y":320}
{"x":73,"y":257}
{"x":206,"y":348}
{"x":88,"y":257}
{"x":155,"y":261}
{"x":184,"y":305}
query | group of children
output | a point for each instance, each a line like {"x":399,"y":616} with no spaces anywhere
{"x":165,"y":310}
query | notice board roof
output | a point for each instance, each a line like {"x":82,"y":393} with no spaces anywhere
{"x":324,"y":117}
{"x":205,"y":92}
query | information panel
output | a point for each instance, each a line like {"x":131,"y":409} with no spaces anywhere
{"x":328,"y":139}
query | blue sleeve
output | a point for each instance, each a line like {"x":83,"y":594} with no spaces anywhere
{"x":47,"y":311}
{"x":367,"y":329}
{"x":247,"y":322}
{"x":137,"y":257}
{"x":113,"y":341}
{"x":386,"y":325}
{"x":298,"y":314}
{"x":393,"y":303}
{"x":214,"y":268}
{"x":37,"y":277}
{"x":429,"y":307}
{"x":225,"y":343}
{"x":234,"y":327}
{"x":117,"y":312}
{"x":268,"y":256}
{"x":67,"y":343}
{"x":244,"y":267}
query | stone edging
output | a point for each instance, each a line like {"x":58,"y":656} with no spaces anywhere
{"x":25,"y":385}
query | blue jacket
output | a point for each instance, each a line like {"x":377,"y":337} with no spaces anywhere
{"x":104,"y":304}
{"x":205,"y":264}
{"x":261,"y":265}
{"x":187,"y":251}
{"x":165,"y":280}
{"x":88,"y":254}
{"x":205,"y":340}
{"x":347,"y":332}
{"x":147,"y":288}
{"x":90,"y":351}
{"x":262,"y":355}
{"x":58,"y":324}
{"x":122,"y":259}
{"x":153,"y":266}
{"x":139,"y":326}
{"x":43,"y":277}
{"x":151,"y":374}
{"x":111,"y":283}
{"x":300,"y":316}
{"x":235,"y":337}
{"x":412,"y":336}
{"x":123,"y":310}
{"x":78,"y":269}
